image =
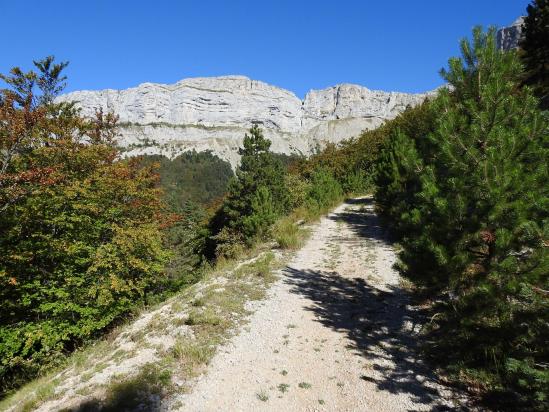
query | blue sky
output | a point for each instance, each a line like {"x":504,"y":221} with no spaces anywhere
{"x":299,"y":45}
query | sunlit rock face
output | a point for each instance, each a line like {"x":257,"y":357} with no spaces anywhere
{"x":214,"y":113}
{"x":508,"y":37}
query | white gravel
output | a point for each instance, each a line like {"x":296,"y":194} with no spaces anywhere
{"x":336,"y":320}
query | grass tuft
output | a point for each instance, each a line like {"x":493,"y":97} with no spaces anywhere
{"x":288,"y":235}
{"x":192,"y":353}
{"x":140,"y":392}
{"x":262,"y":396}
{"x":203,"y":317}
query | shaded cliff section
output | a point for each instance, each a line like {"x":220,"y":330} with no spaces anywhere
{"x":508,"y":38}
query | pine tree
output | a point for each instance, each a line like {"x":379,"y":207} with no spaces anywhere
{"x":260,"y":176}
{"x":258,"y":167}
{"x":399,"y":180}
{"x":491,"y":156}
{"x":398,"y":176}
{"x":535,"y":49}
{"x":473,"y":203}
{"x":262,"y":215}
{"x":488,"y":201}
{"x":400,"y":162}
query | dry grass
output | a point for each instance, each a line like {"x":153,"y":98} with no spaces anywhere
{"x":262,"y":396}
{"x":192,"y":355}
{"x":139,"y":392}
{"x":32,"y":395}
{"x":203,"y":317}
{"x":288,"y":234}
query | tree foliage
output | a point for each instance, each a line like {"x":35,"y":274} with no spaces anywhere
{"x":256,"y":196}
{"x":192,"y":177}
{"x":80,"y":242}
{"x":324,"y":191}
{"x":466,"y":193}
{"x":350,"y":162}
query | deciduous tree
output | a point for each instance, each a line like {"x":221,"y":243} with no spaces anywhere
{"x":80,"y":240}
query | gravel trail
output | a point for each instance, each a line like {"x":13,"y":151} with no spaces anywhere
{"x":336,"y":333}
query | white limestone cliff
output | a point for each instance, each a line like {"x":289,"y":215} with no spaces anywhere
{"x":214,"y":113}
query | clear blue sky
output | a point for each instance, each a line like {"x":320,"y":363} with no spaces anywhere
{"x":299,"y":45}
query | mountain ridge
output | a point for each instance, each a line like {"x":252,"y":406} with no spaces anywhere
{"x":213,"y":113}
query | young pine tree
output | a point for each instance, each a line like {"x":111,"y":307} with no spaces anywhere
{"x":400,"y":163}
{"x":469,"y":202}
{"x":256,"y":195}
{"x":484,"y":210}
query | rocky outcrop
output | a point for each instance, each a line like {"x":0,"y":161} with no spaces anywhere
{"x":508,"y":37}
{"x":214,"y":113}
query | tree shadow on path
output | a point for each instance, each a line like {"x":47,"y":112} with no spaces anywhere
{"x":380,"y":324}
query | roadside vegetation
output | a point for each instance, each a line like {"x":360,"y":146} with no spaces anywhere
{"x":266,"y":200}
{"x":138,"y":364}
{"x":463,"y":187}
{"x":81,"y":235}
{"x":89,"y":239}
{"x":461,"y":183}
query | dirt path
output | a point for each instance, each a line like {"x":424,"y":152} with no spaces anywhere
{"x":335,"y":333}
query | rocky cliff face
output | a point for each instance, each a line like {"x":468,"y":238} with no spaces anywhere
{"x":508,"y":37}
{"x":214,"y":113}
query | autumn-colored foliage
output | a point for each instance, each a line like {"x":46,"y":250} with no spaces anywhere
{"x":80,"y":241}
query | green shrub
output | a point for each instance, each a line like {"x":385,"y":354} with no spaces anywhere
{"x":229,"y":243}
{"x":298,"y":187}
{"x":324,"y":191}
{"x":356,"y":182}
